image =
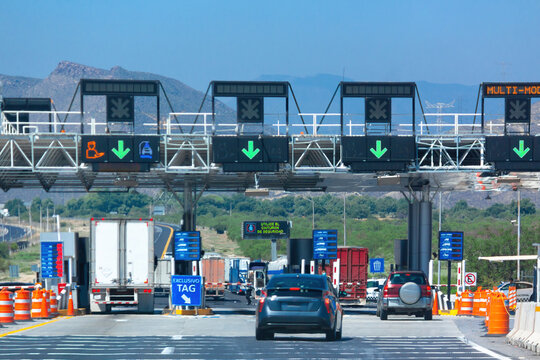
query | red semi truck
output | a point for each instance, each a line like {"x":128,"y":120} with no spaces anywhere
{"x":353,"y":274}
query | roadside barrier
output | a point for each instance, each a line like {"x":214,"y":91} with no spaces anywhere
{"x":517,"y":320}
{"x":70,"y":310}
{"x":54,"y":303}
{"x":36,"y":304}
{"x":512,"y":297}
{"x":466,"y":303}
{"x":482,"y":310}
{"x":499,"y":318}
{"x":488,"y":309}
{"x":435,"y":308}
{"x":526,"y":324}
{"x":533,"y":341}
{"x":22,"y":305}
{"x":44,"y":307}
{"x":6,"y":306}
{"x":476,"y":302}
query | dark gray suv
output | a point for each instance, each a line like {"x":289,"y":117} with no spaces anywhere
{"x":299,"y":303}
{"x":405,"y":292}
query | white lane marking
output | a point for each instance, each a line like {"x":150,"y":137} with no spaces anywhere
{"x":168,"y":350}
{"x":121,"y":320}
{"x":482,"y":349}
{"x":177,"y":337}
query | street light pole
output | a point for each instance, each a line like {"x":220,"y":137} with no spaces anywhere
{"x":518,"y":232}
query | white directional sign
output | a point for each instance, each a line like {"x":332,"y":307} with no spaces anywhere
{"x":518,"y":110}
{"x":186,"y":290}
{"x":378,"y":110}
{"x":470,"y":279}
{"x":250,"y":109}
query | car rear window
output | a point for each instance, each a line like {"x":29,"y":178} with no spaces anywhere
{"x":402,"y":278}
{"x":296,"y":282}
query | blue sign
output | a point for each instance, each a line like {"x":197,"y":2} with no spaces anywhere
{"x":451,"y":245}
{"x":376,"y":265}
{"x":187,"y":245}
{"x":52,"y":259}
{"x":324,"y":244}
{"x":186,"y":290}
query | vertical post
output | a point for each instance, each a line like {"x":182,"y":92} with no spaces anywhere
{"x":335,"y":273}
{"x":312,"y":214}
{"x":274,"y":249}
{"x":430,"y":275}
{"x":459,"y":277}
{"x":449,"y":283}
{"x":158,"y":114}
{"x":194,"y":267}
{"x":440,"y":229}
{"x":344,"y":219}
{"x":303,"y":266}
{"x":518,"y":233}
{"x":40,"y":218}
{"x":312,"y":267}
{"x":47,"y":226}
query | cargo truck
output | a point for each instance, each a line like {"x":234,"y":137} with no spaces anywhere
{"x":121,"y":264}
{"x":237,"y":274}
{"x":353,"y":274}
{"x":213,"y":271}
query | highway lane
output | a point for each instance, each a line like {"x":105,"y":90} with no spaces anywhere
{"x":163,"y":238}
{"x":13,"y":233}
{"x":124,"y":336}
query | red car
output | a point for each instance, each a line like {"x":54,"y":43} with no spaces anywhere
{"x":405,"y":292}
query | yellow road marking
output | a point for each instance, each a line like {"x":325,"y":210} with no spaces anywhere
{"x":168,"y":241}
{"x":34,"y":326}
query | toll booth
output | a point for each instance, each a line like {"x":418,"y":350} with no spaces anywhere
{"x":64,"y":262}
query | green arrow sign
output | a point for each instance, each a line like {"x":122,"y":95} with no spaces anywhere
{"x":250,"y":152}
{"x":121,"y":152}
{"x":522,"y":151}
{"x":378,"y":152}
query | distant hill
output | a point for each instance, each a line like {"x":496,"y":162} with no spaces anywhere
{"x":61,"y":83}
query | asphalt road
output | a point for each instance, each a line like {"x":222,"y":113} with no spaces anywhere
{"x":231,"y":336}
{"x":163,"y":236}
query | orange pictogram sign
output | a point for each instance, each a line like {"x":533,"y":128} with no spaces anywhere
{"x":91,"y":152}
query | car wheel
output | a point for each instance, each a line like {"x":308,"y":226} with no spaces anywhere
{"x":331,"y":335}
{"x":340,"y":332}
{"x":384,"y":315}
{"x":428,"y":315}
{"x":263,"y":335}
{"x":419,"y":315}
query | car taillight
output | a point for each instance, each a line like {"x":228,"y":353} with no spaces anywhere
{"x":261,"y":303}
{"x":96,"y":290}
{"x":294,"y":289}
{"x":385,"y":290}
{"x":327,"y":304}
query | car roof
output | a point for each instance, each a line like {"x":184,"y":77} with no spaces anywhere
{"x":298,"y":276}
{"x":407,"y":272}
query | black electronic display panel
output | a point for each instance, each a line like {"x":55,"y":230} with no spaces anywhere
{"x":120,"y":149}
{"x":250,"y":153}
{"x":250,"y":88}
{"x":120,"y":87}
{"x":504,"y":89}
{"x":513,"y":153}
{"x":377,"y":89}
{"x":259,"y":230}
{"x":378,"y":153}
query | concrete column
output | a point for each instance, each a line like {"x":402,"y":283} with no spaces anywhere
{"x":414,"y":236}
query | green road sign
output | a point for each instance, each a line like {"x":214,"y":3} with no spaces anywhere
{"x":522,"y":151}
{"x":251,"y":152}
{"x":378,"y":152}
{"x":121,"y":152}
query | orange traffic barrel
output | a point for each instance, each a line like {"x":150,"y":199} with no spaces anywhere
{"x":22,"y":305}
{"x":499,"y":318}
{"x":54,"y":303}
{"x":512,"y":297}
{"x":36,"y":304}
{"x":47,"y":295}
{"x":476,"y":303}
{"x":466,"y":303}
{"x":488,"y":308}
{"x":435,"y":308}
{"x":44,"y":305}
{"x":6,"y":306}
{"x":70,"y":310}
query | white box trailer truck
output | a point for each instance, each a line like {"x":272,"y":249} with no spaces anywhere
{"x":121,"y":264}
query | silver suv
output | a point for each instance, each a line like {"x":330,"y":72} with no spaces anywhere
{"x":405,"y":292}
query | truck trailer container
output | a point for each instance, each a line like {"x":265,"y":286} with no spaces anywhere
{"x":237,"y":274}
{"x":353,"y":274}
{"x":121,"y":264}
{"x":213,"y":271}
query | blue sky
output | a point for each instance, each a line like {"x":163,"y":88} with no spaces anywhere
{"x":198,"y":41}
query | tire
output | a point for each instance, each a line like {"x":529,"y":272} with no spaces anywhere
{"x":377,"y":312}
{"x":419,"y":315}
{"x":410,"y":293}
{"x":263,"y":335}
{"x":384,"y":315}
{"x":340,"y":332}
{"x":331,"y":335}
{"x":428,"y":315}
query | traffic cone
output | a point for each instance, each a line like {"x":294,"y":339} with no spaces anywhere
{"x":44,"y":308}
{"x":499,"y":318}
{"x":70,"y":310}
{"x":435,"y":309}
